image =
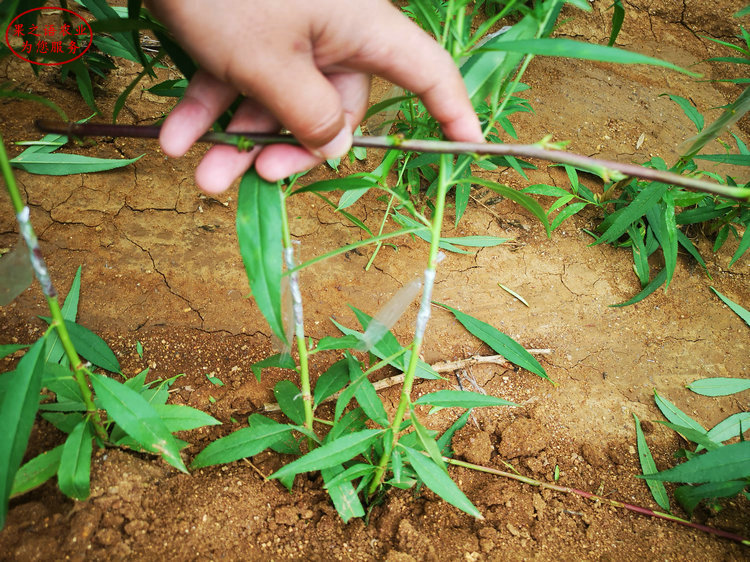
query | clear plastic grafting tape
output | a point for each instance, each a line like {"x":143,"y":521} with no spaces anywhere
{"x":35,"y":253}
{"x":296,"y":294}
{"x":389,"y":314}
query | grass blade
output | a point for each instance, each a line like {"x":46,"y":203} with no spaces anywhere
{"x":73,"y":474}
{"x":137,"y":418}
{"x":501,"y":343}
{"x":259,"y":233}
{"x":658,"y":491}
{"x":19,"y":402}
{"x":438,"y":480}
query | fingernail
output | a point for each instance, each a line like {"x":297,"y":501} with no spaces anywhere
{"x":339,"y":146}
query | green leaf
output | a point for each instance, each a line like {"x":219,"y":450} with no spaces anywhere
{"x":280,"y":361}
{"x":65,"y":422}
{"x":259,"y":233}
{"x":331,"y":454}
{"x":9,"y":348}
{"x":655,"y":283}
{"x":662,"y":221}
{"x":488,"y":67}
{"x":342,"y":492}
{"x":37,"y":471}
{"x":137,"y":418}
{"x":699,"y":437}
{"x":689,"y":109}
{"x":502,"y":344}
{"x":475,"y":241}
{"x":730,"y":427}
{"x":528,"y":203}
{"x":19,"y":401}
{"x":338,"y":184}
{"x":245,"y":442}
{"x":742,"y":248}
{"x":658,"y":491}
{"x":170,"y":88}
{"x":729,"y":462}
{"x":366,"y":395}
{"x":59,"y":164}
{"x":719,"y":386}
{"x":675,"y":415}
{"x":570,"y":48}
{"x":353,"y":420}
{"x":385,"y":104}
{"x":618,"y":16}
{"x":290,"y":401}
{"x":427,"y":441}
{"x":55,"y":352}
{"x":177,"y":417}
{"x":461,"y":399}
{"x":734,"y":159}
{"x":346,"y":342}
{"x":437,"y":480}
{"x":690,"y":496}
{"x":445,"y":439}
{"x":330,"y":382}
{"x":617,"y":223}
{"x":73,"y":474}
{"x":92,"y":347}
{"x":737,"y":309}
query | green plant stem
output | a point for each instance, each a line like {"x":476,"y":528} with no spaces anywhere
{"x":606,"y":169}
{"x":422,"y":316}
{"x":299,"y":328}
{"x":40,"y":271}
{"x":597,"y":498}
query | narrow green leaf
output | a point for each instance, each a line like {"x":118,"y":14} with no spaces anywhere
{"x":461,"y":399}
{"x":73,"y":474}
{"x":259,"y":233}
{"x":690,"y":496}
{"x":501,"y":343}
{"x":566,"y":213}
{"x":345,"y":342}
{"x":699,"y":437}
{"x":9,"y":348}
{"x":737,"y":309}
{"x":662,"y":221}
{"x":177,"y":417}
{"x":59,"y":164}
{"x":686,"y":243}
{"x":528,"y":203}
{"x":657,"y":282}
{"x":330,"y":382}
{"x":730,"y":462}
{"x":137,"y":418}
{"x":366,"y":395}
{"x":245,"y":442}
{"x":730,"y":427}
{"x":19,"y":401}
{"x":55,"y":352}
{"x":734,"y":159}
{"x":37,"y":471}
{"x":331,"y":454}
{"x":475,"y":241}
{"x":385,"y":104}
{"x":352,"y":421}
{"x":437,"y":480}
{"x":618,"y":223}
{"x":675,"y":415}
{"x":689,"y":109}
{"x":91,"y":347}
{"x":170,"y":88}
{"x":427,"y":441}
{"x":342,"y":492}
{"x":355,"y":471}
{"x":65,"y":422}
{"x":658,"y":491}
{"x":445,"y":439}
{"x":618,"y":16}
{"x":338,"y":184}
{"x":280,"y":361}
{"x":290,"y":401}
{"x":719,"y":386}
{"x":570,"y":48}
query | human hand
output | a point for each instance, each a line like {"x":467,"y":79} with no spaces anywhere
{"x":304,"y":66}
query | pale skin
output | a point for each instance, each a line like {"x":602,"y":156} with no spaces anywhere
{"x":302,"y":65}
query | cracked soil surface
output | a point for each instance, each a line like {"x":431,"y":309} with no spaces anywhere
{"x":161,"y":267}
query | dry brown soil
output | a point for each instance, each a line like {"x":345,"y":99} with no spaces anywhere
{"x":161,"y":266}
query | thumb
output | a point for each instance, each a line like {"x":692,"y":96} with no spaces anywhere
{"x":306,"y":103}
